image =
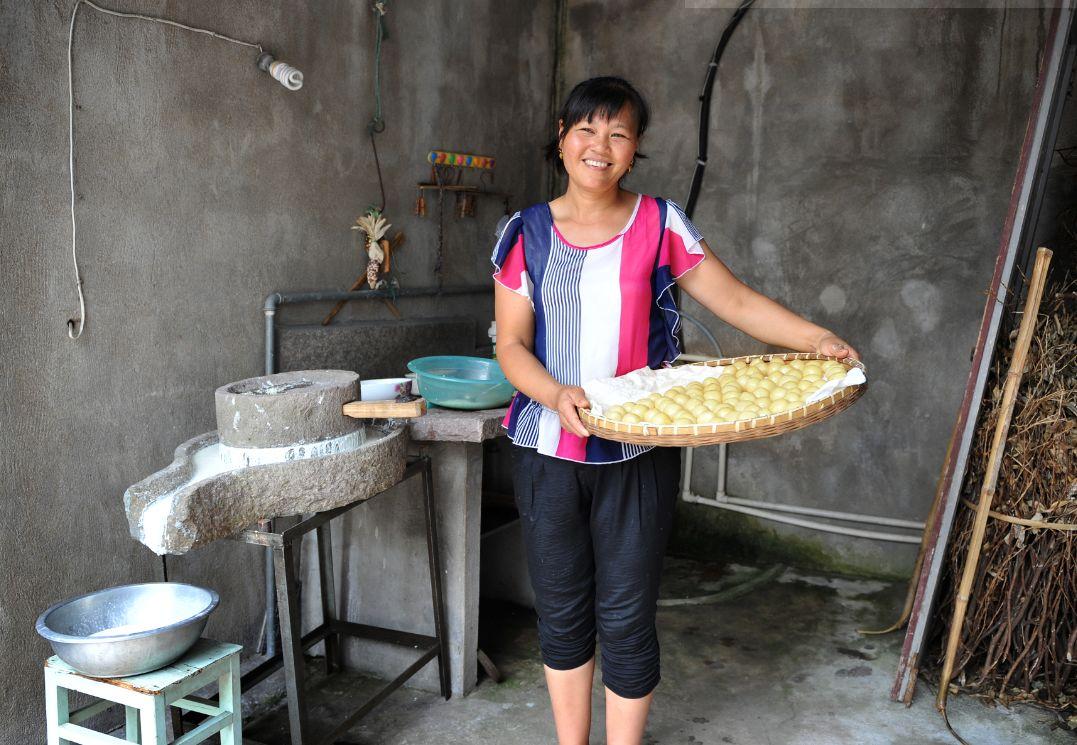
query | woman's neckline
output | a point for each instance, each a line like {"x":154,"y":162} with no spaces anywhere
{"x":621,"y":232}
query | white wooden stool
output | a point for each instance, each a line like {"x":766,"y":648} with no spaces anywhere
{"x":147,"y":699}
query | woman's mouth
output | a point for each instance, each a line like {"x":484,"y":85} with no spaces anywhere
{"x":598,"y":165}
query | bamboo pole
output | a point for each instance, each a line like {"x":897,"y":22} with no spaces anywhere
{"x":994,"y":463}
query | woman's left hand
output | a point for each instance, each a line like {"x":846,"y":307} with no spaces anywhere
{"x":832,"y":345}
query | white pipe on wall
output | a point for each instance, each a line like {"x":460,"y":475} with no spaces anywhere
{"x":825,"y":527}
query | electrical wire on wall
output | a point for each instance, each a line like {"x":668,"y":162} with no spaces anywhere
{"x":705,"y":104}
{"x":376,"y":125}
{"x":285,"y":74}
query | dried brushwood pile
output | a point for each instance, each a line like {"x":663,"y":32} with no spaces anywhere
{"x":1020,"y":636}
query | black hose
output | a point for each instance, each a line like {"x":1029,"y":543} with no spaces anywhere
{"x":705,"y":105}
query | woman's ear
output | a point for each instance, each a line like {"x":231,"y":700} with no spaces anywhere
{"x":560,"y":129}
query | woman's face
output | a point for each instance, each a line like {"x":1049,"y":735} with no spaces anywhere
{"x":597,"y":153}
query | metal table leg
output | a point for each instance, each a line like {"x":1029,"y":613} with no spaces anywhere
{"x":333,"y":643}
{"x":291,"y":644}
{"x":333,"y":630}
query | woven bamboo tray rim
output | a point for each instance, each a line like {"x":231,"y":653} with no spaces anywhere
{"x":692,"y":435}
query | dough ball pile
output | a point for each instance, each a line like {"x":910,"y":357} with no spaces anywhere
{"x":744,"y":391}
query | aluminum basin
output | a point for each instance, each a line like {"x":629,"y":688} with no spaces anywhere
{"x":129,"y":629}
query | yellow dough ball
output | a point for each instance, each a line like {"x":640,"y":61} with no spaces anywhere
{"x":649,"y":415}
{"x":675,"y":390}
{"x":666,"y":406}
{"x":761,"y":393}
{"x":767,"y":384}
{"x":777,"y":407}
{"x":630,"y":419}
{"x":712,"y":394}
{"x":615,"y":413}
{"x":680,"y":398}
{"x":660,"y":418}
{"x":684,"y":419}
{"x":727,"y":414}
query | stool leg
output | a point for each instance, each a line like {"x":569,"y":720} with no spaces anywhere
{"x":154,"y":721}
{"x":433,"y":554}
{"x":290,"y":638}
{"x":57,"y":710}
{"x":229,"y":699}
{"x":131,"y":730}
{"x":333,"y":643}
{"x":176,"y":715}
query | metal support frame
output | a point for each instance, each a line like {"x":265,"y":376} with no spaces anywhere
{"x":283,"y":544}
{"x":274,"y":302}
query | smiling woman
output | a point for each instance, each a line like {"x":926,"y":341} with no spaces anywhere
{"x":583,"y":291}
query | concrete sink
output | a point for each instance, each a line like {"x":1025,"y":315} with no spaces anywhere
{"x":283,"y":447}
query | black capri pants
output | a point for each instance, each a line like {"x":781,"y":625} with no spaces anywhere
{"x":595,"y":536}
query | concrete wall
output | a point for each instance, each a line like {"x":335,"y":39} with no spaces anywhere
{"x":859,"y":171}
{"x":204,"y":185}
{"x":860,"y":168}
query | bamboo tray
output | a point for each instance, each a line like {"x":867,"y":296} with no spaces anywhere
{"x":692,"y":435}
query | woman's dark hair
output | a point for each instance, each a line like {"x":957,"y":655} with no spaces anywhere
{"x":602,"y":97}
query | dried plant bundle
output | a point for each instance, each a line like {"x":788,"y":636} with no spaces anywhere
{"x":1020,"y":635}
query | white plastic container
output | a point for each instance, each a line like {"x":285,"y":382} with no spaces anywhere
{"x":383,"y":389}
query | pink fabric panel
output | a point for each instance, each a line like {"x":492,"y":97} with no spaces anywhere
{"x":676,"y":254}
{"x":512,"y":271}
{"x":637,"y":262}
{"x":572,"y":447}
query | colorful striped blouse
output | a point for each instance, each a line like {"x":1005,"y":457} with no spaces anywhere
{"x":600,"y":311}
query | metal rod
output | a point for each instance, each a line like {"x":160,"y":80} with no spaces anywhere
{"x":815,"y":525}
{"x":382,"y":634}
{"x":270,"y":595}
{"x":291,"y":644}
{"x":264,"y":669}
{"x":378,"y":697}
{"x":333,"y":646}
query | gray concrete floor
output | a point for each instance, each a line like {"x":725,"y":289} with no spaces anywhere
{"x":781,"y":664}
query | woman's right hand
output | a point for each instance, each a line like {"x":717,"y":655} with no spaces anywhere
{"x":568,"y":398}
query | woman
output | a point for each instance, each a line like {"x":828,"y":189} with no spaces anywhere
{"x":583,"y":291}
